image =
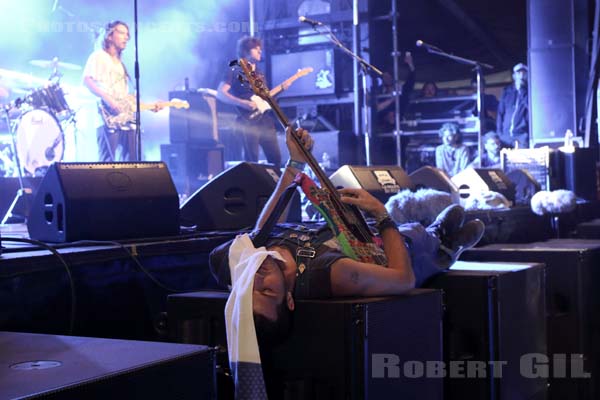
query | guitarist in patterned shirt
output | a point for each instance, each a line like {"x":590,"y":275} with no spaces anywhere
{"x":258,"y":131}
{"x":106,"y":77}
{"x":312,"y":264}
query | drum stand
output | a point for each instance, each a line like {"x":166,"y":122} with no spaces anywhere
{"x":23,"y":196}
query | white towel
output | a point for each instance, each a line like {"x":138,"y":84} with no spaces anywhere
{"x":244,"y":356}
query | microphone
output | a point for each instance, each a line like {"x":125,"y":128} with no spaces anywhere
{"x":427,"y":46}
{"x":309,"y":21}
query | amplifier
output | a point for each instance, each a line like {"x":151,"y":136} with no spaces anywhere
{"x":542,"y":163}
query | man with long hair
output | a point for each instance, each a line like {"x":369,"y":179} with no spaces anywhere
{"x":107,"y":78}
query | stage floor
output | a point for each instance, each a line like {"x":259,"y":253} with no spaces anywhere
{"x":102,"y":289}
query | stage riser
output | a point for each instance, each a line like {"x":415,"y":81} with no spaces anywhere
{"x":334,"y":343}
{"x":493,"y":315}
{"x":113,"y":297}
{"x":572,"y":302}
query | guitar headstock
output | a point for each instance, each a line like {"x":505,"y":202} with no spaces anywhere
{"x":304,"y":71}
{"x":254,"y":80}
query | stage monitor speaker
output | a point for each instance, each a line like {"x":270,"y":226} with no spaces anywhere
{"x":382,"y":181}
{"x":474,"y":180}
{"x":68,"y":367}
{"x":234,"y":198}
{"x":525,"y":185}
{"x":104,"y":201}
{"x":434,"y":178}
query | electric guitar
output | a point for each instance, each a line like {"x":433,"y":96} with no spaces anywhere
{"x":262,"y":106}
{"x":347,"y":222}
{"x":126,"y":119}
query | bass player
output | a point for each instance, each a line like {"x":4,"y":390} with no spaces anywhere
{"x":258,"y":131}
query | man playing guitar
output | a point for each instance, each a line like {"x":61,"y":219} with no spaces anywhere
{"x":105,"y":76}
{"x":257,"y":131}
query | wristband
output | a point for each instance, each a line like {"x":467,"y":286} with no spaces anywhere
{"x":296,"y":164}
{"x":380,"y":217}
{"x":385,"y":224}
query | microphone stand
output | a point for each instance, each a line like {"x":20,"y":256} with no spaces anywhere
{"x":478,"y":67}
{"x":365,"y":67}
{"x":138,"y":127}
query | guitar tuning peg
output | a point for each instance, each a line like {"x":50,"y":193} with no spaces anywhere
{"x":233,"y":63}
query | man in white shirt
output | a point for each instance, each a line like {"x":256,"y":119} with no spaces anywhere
{"x":106,"y":77}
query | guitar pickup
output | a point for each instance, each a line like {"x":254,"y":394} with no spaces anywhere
{"x":306,"y":252}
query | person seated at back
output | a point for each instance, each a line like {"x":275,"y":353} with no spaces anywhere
{"x":310,"y":263}
{"x":452,"y":155}
{"x":491,"y":154}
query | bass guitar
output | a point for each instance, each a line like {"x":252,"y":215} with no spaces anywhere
{"x":125,"y":120}
{"x":347,"y":222}
{"x":262,"y":106}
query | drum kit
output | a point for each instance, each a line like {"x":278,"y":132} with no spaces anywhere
{"x":37,"y":119}
{"x":36,"y":122}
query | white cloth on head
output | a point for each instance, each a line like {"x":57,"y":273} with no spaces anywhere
{"x":242,"y":345}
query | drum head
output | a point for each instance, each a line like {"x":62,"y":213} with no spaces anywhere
{"x":40,"y":141}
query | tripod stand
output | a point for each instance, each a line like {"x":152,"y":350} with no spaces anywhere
{"x":23,"y":194}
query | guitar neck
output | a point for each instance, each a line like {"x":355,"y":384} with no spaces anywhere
{"x":279,"y":88}
{"x":310,"y":159}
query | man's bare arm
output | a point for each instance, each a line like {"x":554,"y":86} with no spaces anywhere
{"x":349,"y":277}
{"x":287,"y":176}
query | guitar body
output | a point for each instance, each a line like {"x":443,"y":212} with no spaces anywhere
{"x":262,"y":106}
{"x":346,"y":228}
{"x":255,"y":115}
{"x":123,"y":121}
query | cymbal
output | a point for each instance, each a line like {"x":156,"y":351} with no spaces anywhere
{"x":18,"y":80}
{"x":54,"y":63}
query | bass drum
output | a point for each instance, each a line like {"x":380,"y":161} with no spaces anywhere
{"x":40,"y":141}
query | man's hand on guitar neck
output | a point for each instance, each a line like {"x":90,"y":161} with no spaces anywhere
{"x":305,"y":138}
{"x":156,"y":107}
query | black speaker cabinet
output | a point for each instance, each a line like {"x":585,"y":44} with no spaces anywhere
{"x":192,"y":165}
{"x":104,"y":201}
{"x":494,"y":313}
{"x":558,"y":32}
{"x":382,"y":181}
{"x":434,"y":178}
{"x":234,"y":198}
{"x":68,"y":367}
{"x":363,"y":348}
{"x":572,"y":303}
{"x":338,"y":349}
{"x":197,"y":124}
{"x":473,"y":180}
